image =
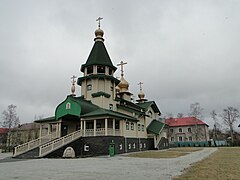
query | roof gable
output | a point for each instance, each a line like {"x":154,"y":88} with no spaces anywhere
{"x":148,"y":104}
{"x":185,"y":121}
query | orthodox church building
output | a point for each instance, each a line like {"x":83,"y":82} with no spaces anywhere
{"x":102,"y":120}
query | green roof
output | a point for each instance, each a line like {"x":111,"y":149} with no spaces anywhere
{"x":148,"y":104}
{"x":98,"y":56}
{"x":101,"y":93}
{"x":45,"y":120}
{"x":155,"y":127}
{"x":75,"y":106}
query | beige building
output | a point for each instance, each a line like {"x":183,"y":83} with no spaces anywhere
{"x":187,"y":131}
{"x":102,"y":117}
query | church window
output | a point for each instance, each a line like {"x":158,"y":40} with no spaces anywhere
{"x":117,"y":125}
{"x":89,"y":87}
{"x":150,"y":114}
{"x":129,"y":146}
{"x":144,"y":145}
{"x":101,"y":69}
{"x":139,"y":127}
{"x":134,"y":145}
{"x":111,"y":88}
{"x":120,"y":147}
{"x":127,"y":125}
{"x":110,"y":71}
{"x":110,"y":106}
{"x":90,"y":70}
{"x":142,"y":127}
{"x":68,"y":105}
{"x":180,"y":130}
{"x":132,"y":126}
{"x":140,"y":145}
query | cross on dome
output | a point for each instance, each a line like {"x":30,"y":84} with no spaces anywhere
{"x":140,"y":84}
{"x":73,"y":85}
{"x":99,"y":21}
{"x":121,"y":64}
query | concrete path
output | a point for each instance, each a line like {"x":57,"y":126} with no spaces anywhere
{"x":100,"y":168}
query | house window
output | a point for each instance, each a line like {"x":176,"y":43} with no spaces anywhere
{"x":90,"y":70}
{"x":110,"y":106}
{"x":89,"y":87}
{"x":142,"y":127}
{"x":189,"y":130}
{"x":190,"y":138}
{"x":132,"y":126}
{"x":127,"y":125}
{"x":101,"y":69}
{"x":139,"y":127}
{"x":180,"y":138}
{"x":68,"y":105}
{"x":171,"y":130}
{"x":172,"y":139}
{"x":180,"y":130}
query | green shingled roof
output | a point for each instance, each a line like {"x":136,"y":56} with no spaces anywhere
{"x":155,"y":127}
{"x":98,"y":56}
{"x":147,"y":104}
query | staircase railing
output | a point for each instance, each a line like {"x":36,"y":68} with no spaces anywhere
{"x":22,"y":148}
{"x":57,"y":143}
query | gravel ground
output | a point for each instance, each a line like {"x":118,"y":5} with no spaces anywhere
{"x":100,"y":168}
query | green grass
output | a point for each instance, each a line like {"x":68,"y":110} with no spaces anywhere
{"x":222,"y":164}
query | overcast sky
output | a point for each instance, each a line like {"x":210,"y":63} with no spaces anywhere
{"x":183,"y":51}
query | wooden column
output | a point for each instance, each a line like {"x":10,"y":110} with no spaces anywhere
{"x":114,"y":127}
{"x":49,"y":129}
{"x":106,"y":126}
{"x":84,"y":127}
{"x":94,"y":127}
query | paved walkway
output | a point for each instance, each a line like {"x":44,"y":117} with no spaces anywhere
{"x":100,"y":168}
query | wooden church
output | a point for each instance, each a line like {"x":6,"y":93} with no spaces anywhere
{"x":103,"y":120}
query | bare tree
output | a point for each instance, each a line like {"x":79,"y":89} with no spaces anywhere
{"x":180,"y":115}
{"x":214,"y":117}
{"x":230,"y":116}
{"x":196,"y":111}
{"x":10,"y":118}
{"x":169,"y":115}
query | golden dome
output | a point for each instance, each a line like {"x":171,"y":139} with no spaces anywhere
{"x":141,"y":94}
{"x":123,"y":85}
{"x":99,"y":33}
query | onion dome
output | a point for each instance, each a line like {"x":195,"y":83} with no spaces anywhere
{"x":99,"y":33}
{"x":141,"y":94}
{"x":123,"y":85}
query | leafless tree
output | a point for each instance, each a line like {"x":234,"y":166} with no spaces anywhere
{"x":214,"y":117}
{"x":196,"y":111}
{"x":180,"y":115}
{"x":230,"y":116}
{"x":10,"y":118}
{"x":169,"y":115}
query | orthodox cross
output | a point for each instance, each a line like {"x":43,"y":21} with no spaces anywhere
{"x":99,"y":19}
{"x":73,"y":85}
{"x":140,"y":84}
{"x":121,"y":64}
{"x":73,"y":79}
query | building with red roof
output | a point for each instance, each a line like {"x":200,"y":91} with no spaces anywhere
{"x":3,"y":136}
{"x":187,"y":130}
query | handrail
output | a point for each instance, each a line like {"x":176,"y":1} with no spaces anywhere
{"x":55,"y":144}
{"x":22,"y":148}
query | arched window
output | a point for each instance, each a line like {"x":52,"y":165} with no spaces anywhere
{"x":89,"y":87}
{"x":68,"y":105}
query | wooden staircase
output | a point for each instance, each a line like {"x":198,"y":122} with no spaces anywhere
{"x":42,"y":146}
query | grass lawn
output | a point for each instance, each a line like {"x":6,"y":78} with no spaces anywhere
{"x":222,"y":164}
{"x":170,"y":153}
